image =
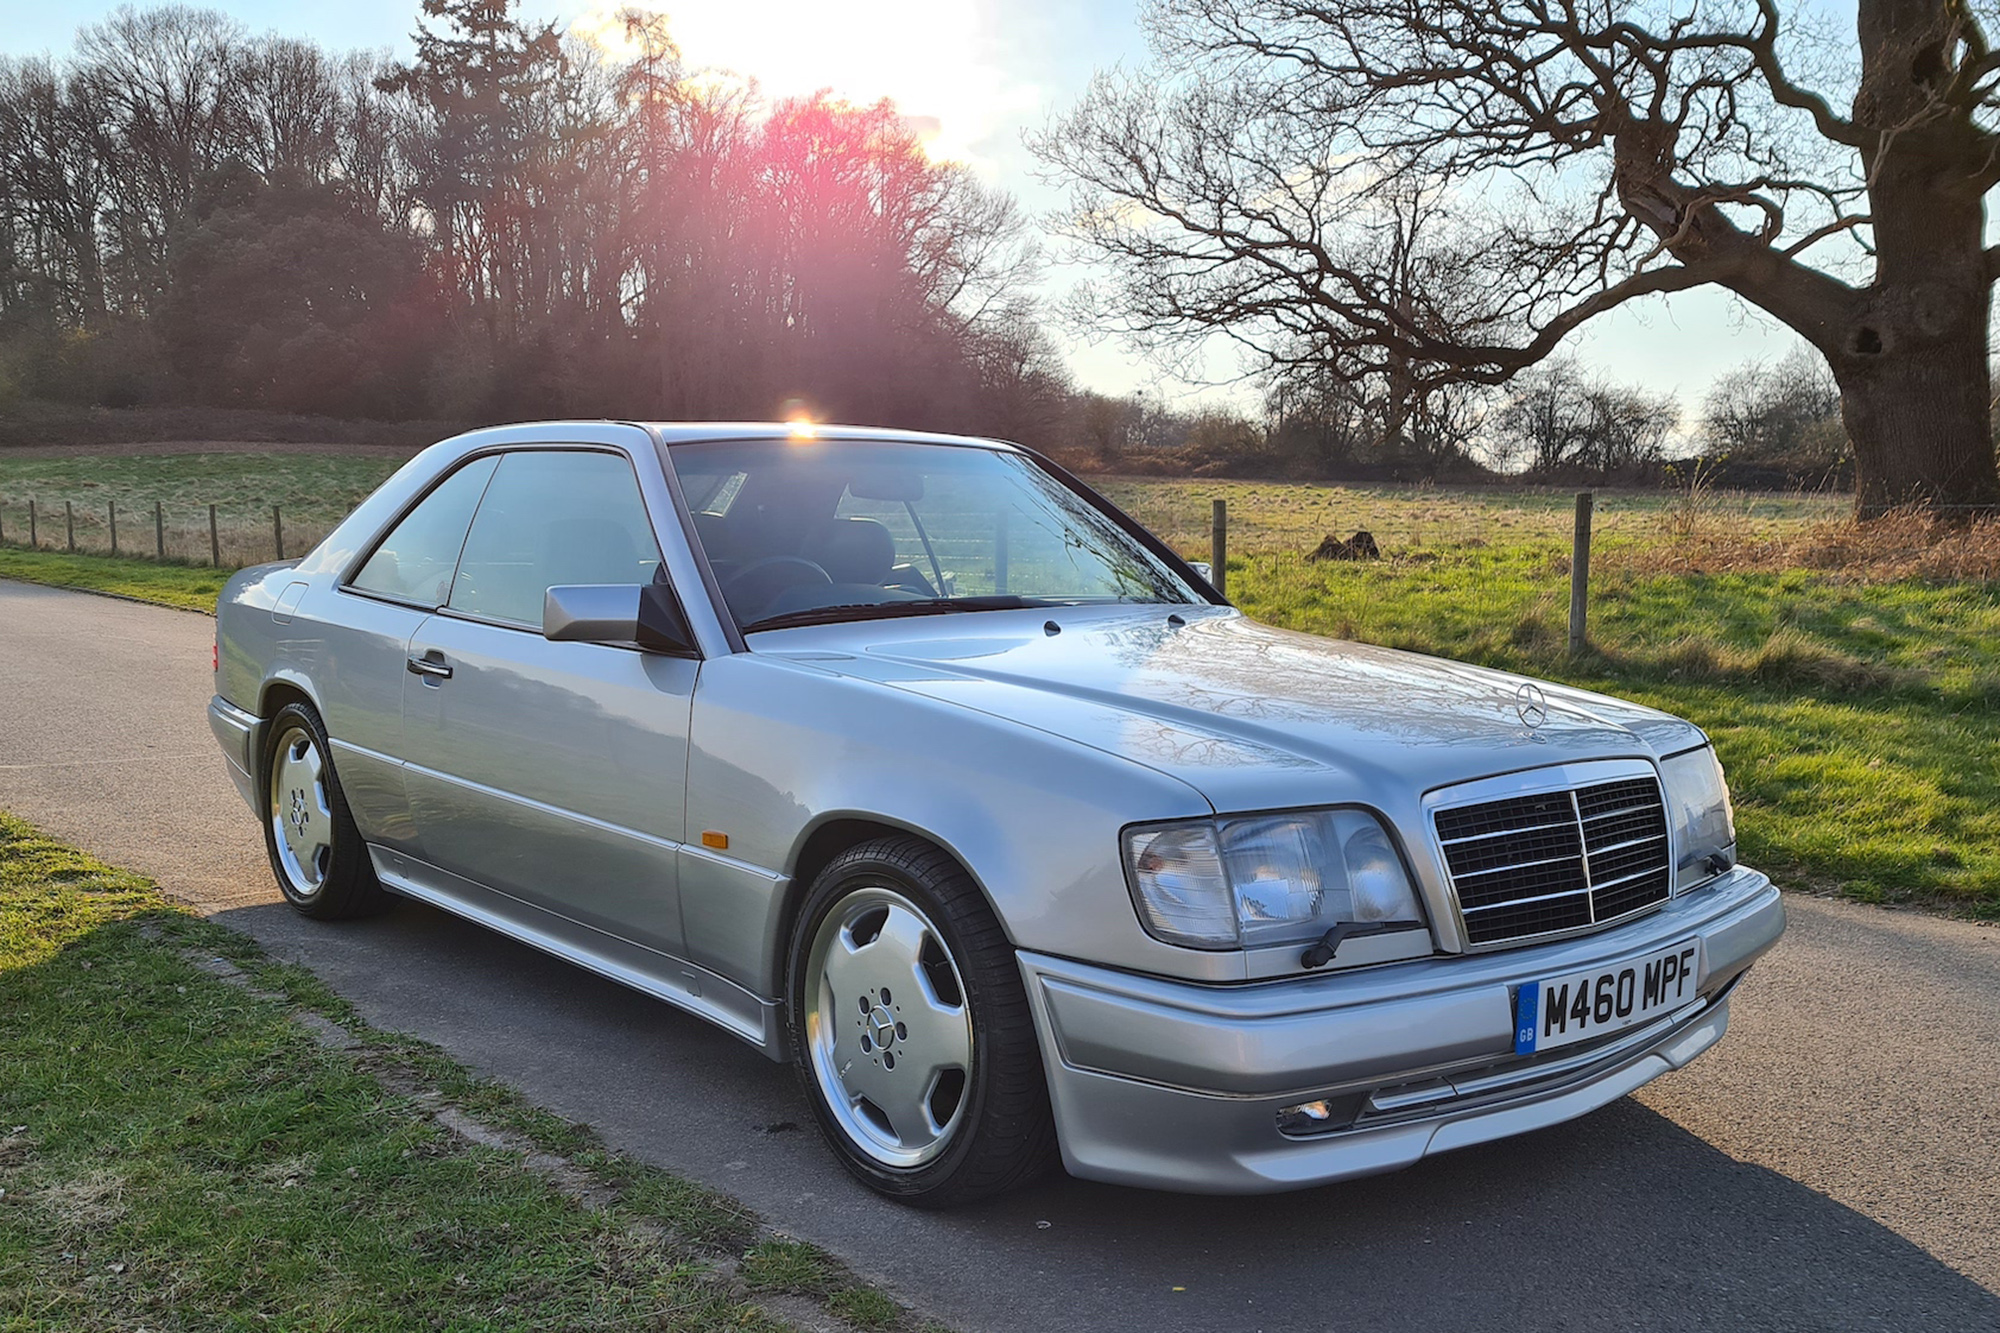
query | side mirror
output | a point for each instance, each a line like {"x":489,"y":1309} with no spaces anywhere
{"x":645,"y":614}
{"x":1202,"y":568}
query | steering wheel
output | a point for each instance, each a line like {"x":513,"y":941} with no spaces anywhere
{"x":740,"y":592}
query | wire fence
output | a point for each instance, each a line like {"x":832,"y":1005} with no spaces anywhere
{"x":225,"y":537}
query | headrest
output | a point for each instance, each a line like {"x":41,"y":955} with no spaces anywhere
{"x":854,"y":550}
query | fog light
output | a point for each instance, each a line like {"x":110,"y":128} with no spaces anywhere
{"x":1305,"y":1118}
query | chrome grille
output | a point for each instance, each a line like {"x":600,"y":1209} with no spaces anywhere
{"x":1556,"y":861}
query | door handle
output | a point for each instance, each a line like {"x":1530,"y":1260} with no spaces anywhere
{"x":431,"y":664}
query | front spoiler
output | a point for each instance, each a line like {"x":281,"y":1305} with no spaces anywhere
{"x":1174,"y":1085}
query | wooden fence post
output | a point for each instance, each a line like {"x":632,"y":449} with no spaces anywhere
{"x":159,"y":532}
{"x":69,"y":525}
{"x":214,"y":542}
{"x":1579,"y":574}
{"x":1000,"y":555}
{"x":113,"y":504}
{"x":277,"y":532}
{"x":34,"y":537}
{"x":1218,"y":546}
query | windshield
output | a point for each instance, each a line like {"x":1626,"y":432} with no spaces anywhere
{"x":809,"y":531}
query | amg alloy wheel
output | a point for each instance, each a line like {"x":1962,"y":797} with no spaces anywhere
{"x":316,"y":851}
{"x":911,"y":1030}
{"x":887,"y":1027}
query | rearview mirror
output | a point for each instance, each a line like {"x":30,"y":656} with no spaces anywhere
{"x":891,"y":484}
{"x":645,"y":614}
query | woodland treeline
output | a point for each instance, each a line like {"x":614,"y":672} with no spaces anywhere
{"x":520,"y":223}
{"x":513,"y":224}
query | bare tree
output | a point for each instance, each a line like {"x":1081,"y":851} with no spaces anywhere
{"x":291,"y":107}
{"x":52,"y":196}
{"x":168,"y":89}
{"x":1785,"y":413}
{"x":1561,"y":420}
{"x":1580,"y":154}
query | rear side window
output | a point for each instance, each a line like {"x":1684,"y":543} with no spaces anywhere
{"x":415,"y":561}
{"x":549,"y":519}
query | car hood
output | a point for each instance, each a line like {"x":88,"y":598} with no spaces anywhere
{"x":1251,"y":716}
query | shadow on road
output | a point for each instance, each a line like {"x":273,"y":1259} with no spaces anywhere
{"x":1622,"y":1220}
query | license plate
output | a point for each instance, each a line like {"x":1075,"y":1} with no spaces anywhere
{"x":1553,"y":1013}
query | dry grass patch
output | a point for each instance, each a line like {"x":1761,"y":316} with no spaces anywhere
{"x":85,"y":1203}
{"x":1907,"y":544}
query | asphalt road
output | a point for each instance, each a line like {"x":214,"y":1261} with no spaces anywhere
{"x":1834,"y":1164}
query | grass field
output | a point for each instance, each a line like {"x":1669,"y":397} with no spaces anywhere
{"x":313,"y":492}
{"x":187,"y":1142}
{"x":1851,"y":678}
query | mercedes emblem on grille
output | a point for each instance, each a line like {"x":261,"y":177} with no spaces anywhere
{"x":1532,"y":705}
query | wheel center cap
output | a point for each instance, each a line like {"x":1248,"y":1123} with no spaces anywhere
{"x":882,"y":1026}
{"x":299,"y":811}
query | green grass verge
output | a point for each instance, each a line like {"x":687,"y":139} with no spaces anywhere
{"x":190,"y":587}
{"x":178,"y":1152}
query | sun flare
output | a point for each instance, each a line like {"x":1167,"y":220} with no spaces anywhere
{"x":929,"y":56}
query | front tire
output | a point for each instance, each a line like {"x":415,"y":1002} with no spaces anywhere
{"x":316,"y":851}
{"x":911,"y":1032}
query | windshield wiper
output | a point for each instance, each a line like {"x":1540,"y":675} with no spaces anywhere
{"x":923,"y":606}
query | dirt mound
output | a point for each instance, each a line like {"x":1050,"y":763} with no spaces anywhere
{"x":1361,"y":546}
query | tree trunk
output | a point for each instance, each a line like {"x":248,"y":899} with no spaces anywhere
{"x":1915,"y":390}
{"x":1911,"y":357}
{"x":1917,"y":415}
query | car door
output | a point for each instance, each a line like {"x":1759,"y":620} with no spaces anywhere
{"x":551,"y":773}
{"x":362,"y":649}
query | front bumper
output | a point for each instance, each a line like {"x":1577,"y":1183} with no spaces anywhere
{"x":236,"y":732}
{"x":1173,"y":1085}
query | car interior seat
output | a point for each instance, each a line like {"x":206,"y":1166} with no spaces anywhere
{"x":854,"y":550}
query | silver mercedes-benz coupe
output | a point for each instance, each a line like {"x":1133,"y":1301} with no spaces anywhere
{"x":912,"y":761}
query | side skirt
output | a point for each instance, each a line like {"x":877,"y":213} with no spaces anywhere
{"x":676,"y":981}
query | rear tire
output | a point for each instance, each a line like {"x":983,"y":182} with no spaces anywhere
{"x":316,"y":851}
{"x":911,"y":1032}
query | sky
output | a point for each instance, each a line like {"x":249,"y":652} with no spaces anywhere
{"x":986,"y":71}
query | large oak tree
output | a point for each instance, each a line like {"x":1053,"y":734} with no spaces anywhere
{"x":1569,"y":157}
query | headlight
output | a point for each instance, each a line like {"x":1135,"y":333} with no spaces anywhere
{"x":1256,"y":880}
{"x":1698,"y":807}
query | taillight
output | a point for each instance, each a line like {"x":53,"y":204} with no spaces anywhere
{"x":215,"y":656}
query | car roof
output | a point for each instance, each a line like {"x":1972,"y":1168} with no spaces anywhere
{"x":698,"y":432}
{"x":688,"y":432}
